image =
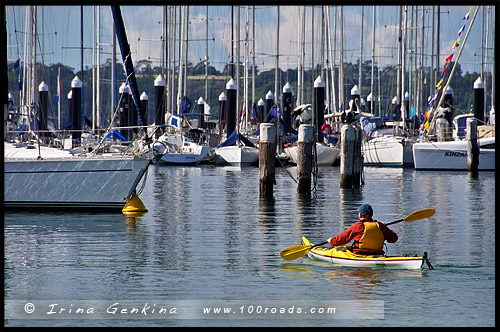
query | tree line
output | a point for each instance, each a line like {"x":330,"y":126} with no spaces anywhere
{"x":146,"y":73}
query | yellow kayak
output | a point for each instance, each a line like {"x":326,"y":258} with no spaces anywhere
{"x":342,"y":256}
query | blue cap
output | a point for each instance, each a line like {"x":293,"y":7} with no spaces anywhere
{"x":366,"y":210}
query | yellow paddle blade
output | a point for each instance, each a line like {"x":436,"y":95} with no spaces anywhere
{"x":420,"y":214}
{"x":294,"y":252}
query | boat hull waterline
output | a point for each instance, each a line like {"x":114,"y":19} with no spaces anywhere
{"x":236,"y":156}
{"x":452,"y":155}
{"x":104,"y":183}
{"x":388,"y":151}
{"x":326,"y":155}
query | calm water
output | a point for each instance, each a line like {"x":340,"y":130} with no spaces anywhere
{"x":207,"y":240}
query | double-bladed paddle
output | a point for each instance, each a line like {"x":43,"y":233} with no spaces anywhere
{"x":298,"y":251}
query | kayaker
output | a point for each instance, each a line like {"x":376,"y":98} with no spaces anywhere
{"x":368,"y":234}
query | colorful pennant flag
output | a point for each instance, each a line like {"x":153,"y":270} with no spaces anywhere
{"x":466,"y":17}
{"x":461,"y":30}
{"x":447,"y":63}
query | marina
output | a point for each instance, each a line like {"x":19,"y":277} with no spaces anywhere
{"x":208,"y":236}
{"x":121,"y":212}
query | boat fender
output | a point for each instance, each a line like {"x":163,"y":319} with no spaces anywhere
{"x":134,"y":205}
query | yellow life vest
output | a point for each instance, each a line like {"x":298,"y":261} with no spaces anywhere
{"x":372,"y":237}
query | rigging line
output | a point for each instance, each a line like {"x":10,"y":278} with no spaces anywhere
{"x":286,"y":170}
{"x":141,"y":189}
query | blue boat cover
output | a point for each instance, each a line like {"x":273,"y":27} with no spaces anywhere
{"x":115,"y":134}
{"x":234,"y":137}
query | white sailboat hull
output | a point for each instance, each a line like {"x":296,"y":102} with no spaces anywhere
{"x":326,"y":155}
{"x":186,"y":158}
{"x":179,"y":150}
{"x":236,"y":156}
{"x":452,"y":155}
{"x":61,"y":180}
{"x":392,"y":151}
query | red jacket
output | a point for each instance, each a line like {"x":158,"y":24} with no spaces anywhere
{"x":356,"y":231}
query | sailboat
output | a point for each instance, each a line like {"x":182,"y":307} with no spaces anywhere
{"x":452,"y":154}
{"x":175,"y":148}
{"x":326,"y":153}
{"x":39,"y":175}
{"x":236,"y":150}
{"x":390,"y":144}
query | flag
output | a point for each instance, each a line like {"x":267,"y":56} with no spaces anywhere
{"x":449,"y":58}
{"x":426,"y":125}
{"x":456,"y":43}
{"x":438,"y":86}
{"x":445,"y":70}
{"x":461,"y":30}
{"x":175,"y":121}
{"x":466,"y":17}
{"x":431,"y":101}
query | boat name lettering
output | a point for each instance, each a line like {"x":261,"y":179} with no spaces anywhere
{"x":454,"y":154}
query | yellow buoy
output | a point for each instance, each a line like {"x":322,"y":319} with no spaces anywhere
{"x":134,"y":205}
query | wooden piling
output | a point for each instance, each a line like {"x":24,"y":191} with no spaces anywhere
{"x":304,"y":158}
{"x":358,"y":157}
{"x":472,"y":146}
{"x":351,"y":160}
{"x":267,"y":160}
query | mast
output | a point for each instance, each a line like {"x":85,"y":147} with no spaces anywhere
{"x":206,"y":58}
{"x":403,"y":64}
{"x":341,"y":58}
{"x":181,"y":60}
{"x":245,"y":66}
{"x":113,"y":77}
{"x":253,"y":56}
{"x":361,"y":52}
{"x":186,"y":41}
{"x":238,"y":69}
{"x":127,"y":61}
{"x":276,"y":79}
{"x":373,"y":65}
{"x":98,"y":73}
{"x":332,"y":102}
{"x":298,"y":55}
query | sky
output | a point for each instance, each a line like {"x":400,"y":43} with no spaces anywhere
{"x":59,"y":29}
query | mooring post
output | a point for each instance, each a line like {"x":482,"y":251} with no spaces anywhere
{"x":351,"y":162}
{"x":76,"y":106}
{"x":159,"y":84}
{"x":43,"y":93}
{"x":267,"y":159}
{"x":358,"y":157}
{"x":304,"y":158}
{"x":144,"y":106}
{"x":472,"y":146}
